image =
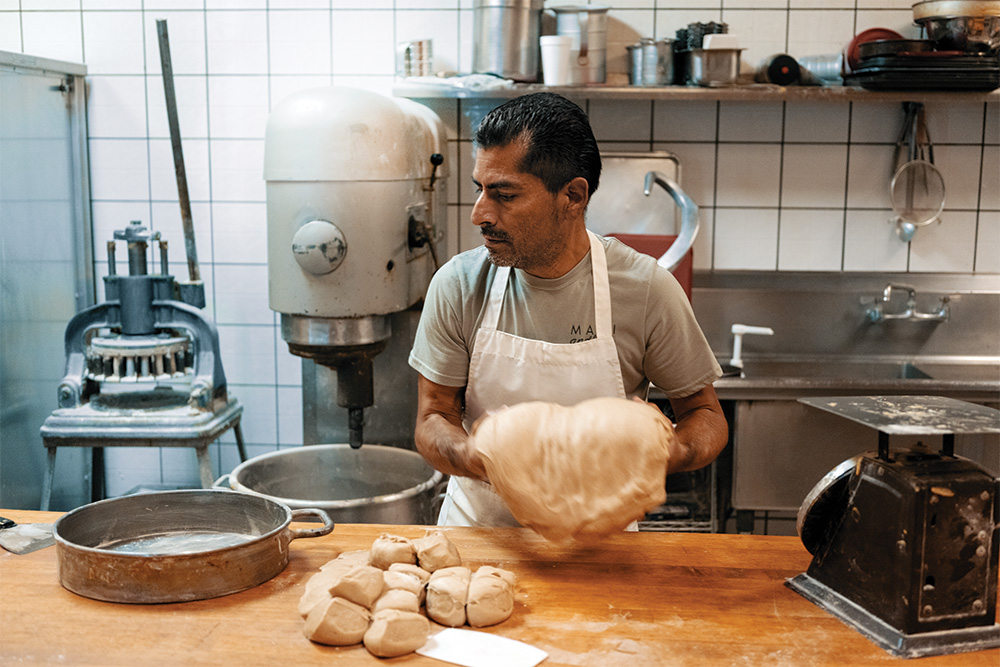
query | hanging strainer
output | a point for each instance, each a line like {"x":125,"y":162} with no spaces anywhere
{"x":917,"y":195}
{"x":917,"y":187}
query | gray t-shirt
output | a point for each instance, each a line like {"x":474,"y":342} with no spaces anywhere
{"x":655,"y":331}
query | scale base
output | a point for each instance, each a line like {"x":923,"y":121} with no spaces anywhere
{"x":917,"y":645}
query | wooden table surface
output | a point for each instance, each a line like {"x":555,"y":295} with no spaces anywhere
{"x":637,"y":600}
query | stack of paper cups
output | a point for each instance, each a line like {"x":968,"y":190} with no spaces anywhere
{"x":555,"y":59}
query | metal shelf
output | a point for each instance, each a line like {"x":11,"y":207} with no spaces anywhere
{"x":750,"y":92}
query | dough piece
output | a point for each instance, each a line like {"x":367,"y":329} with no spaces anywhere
{"x":362,"y":584}
{"x":447,"y":592}
{"x":317,"y":590}
{"x":395,"y":580}
{"x":397,"y":598}
{"x":388,"y":549}
{"x":435,"y":551}
{"x":348,"y":558}
{"x":338,"y":622}
{"x":491,"y":600}
{"x":393,"y":633}
{"x":415,"y":570}
{"x":506,"y":575}
{"x":579,"y":472}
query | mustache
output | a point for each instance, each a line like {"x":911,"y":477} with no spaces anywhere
{"x":489,"y":231}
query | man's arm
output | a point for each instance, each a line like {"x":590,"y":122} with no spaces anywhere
{"x":440,"y":437}
{"x":702,"y":431}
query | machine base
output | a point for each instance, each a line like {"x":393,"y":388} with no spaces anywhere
{"x":941,"y":642}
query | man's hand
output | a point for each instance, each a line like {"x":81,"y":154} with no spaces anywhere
{"x":439,"y":435}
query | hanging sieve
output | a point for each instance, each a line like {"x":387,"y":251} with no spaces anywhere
{"x":917,"y":196}
{"x":916,"y":190}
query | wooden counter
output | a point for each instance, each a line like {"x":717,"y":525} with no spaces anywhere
{"x":640,"y":599}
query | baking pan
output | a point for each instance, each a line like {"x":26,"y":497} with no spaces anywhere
{"x":176,"y":546}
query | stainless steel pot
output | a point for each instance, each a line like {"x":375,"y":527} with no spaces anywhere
{"x":506,"y":38}
{"x":373,"y":484}
{"x":176,"y":546}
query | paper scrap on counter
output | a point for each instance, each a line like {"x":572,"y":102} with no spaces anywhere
{"x":480,"y":649}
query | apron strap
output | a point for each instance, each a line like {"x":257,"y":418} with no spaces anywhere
{"x":491,"y":318}
{"x":602,"y":289}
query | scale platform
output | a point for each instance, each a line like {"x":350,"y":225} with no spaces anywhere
{"x":905,"y":544}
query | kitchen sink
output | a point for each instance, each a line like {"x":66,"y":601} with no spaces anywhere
{"x":794,"y":377}
{"x":853,"y":369}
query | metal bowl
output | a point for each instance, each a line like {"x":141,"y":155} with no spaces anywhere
{"x":971,"y":34}
{"x":373,"y":484}
{"x":176,"y":546}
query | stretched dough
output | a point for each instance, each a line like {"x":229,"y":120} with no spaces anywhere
{"x":338,"y":622}
{"x":436,"y":551}
{"x":388,"y":549}
{"x":394,"y":632}
{"x":579,"y":472}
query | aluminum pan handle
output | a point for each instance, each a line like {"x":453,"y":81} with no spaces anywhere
{"x":325,"y":529}
{"x":690,"y":219}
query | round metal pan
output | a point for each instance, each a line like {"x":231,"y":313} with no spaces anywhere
{"x":176,"y":546}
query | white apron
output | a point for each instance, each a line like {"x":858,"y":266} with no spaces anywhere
{"x":506,"y":369}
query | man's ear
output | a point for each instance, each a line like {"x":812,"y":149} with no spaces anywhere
{"x":577,"y":193}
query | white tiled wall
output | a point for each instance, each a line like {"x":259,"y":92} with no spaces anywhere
{"x":793,"y":186}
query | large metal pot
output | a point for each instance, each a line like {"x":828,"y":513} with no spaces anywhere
{"x":176,"y":546}
{"x":373,"y":484}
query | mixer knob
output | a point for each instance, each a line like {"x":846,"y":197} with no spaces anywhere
{"x":319,"y":247}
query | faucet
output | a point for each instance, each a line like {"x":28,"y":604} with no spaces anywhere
{"x":740,"y":330}
{"x":876,"y":312}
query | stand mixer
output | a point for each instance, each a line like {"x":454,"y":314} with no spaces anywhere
{"x":355,"y":209}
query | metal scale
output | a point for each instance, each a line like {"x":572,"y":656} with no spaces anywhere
{"x":905,"y":544}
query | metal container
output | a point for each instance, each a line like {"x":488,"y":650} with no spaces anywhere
{"x":651,"y":62}
{"x":972,"y":34}
{"x":415,"y":58}
{"x":506,"y":38}
{"x":176,"y":546}
{"x":373,"y":484}
{"x":588,"y":26}
{"x":712,"y":68}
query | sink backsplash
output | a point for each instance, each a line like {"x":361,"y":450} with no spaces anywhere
{"x":825,"y":314}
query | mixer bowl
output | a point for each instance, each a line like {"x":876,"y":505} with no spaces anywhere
{"x":971,"y":34}
{"x":373,"y":484}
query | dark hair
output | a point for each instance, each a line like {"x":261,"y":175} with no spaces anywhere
{"x":561,"y":145}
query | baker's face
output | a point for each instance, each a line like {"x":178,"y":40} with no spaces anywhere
{"x":520,"y":220}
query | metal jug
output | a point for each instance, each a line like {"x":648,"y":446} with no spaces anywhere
{"x":506,"y":38}
{"x":588,"y":26}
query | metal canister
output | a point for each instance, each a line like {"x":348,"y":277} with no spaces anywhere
{"x":506,"y":38}
{"x":651,"y":62}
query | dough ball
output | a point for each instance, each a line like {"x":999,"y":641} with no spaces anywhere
{"x":436,"y":551}
{"x":447,"y":592}
{"x":338,"y":622}
{"x":491,"y":601}
{"x":393,"y":633}
{"x":362,"y":584}
{"x":397,"y":598}
{"x":414,"y":570}
{"x":317,"y":590}
{"x":395,"y":580}
{"x":388,"y":549}
{"x":579,"y":472}
{"x":489,"y":570}
{"x":347,"y":559}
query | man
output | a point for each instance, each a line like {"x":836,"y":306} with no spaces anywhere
{"x":546,"y":310}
